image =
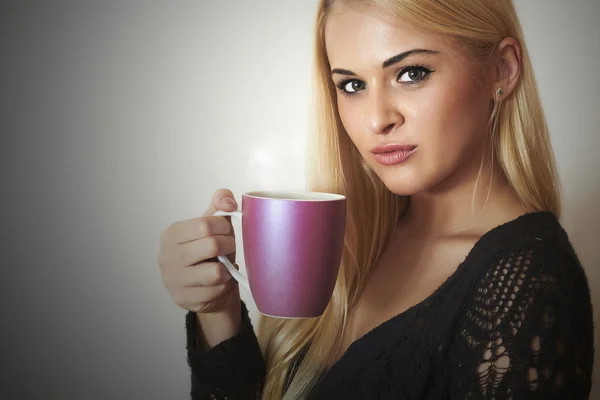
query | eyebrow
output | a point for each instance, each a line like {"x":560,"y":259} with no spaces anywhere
{"x":389,"y":62}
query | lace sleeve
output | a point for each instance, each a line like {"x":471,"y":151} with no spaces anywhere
{"x":232,"y":370}
{"x":527,"y":332}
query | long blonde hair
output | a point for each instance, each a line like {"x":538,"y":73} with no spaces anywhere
{"x":521,"y":144}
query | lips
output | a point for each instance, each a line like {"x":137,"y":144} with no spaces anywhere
{"x":390,"y":148}
{"x":393,"y":154}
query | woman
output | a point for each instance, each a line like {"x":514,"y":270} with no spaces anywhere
{"x":457,"y":280}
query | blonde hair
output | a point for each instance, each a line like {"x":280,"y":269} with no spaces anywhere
{"x":520,"y":142}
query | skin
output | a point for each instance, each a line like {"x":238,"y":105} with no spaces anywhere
{"x":445,"y":114}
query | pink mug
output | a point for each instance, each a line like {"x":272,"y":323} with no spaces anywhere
{"x":293,"y":245}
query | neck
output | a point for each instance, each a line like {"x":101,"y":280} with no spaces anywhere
{"x":470,"y":201}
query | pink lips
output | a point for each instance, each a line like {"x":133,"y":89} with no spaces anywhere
{"x":393,"y":154}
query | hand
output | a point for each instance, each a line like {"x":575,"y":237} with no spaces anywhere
{"x":195,"y":279}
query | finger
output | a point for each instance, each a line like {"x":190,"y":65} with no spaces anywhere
{"x":188,"y":254}
{"x":218,"y":303}
{"x":222,"y":200}
{"x":208,"y":273}
{"x":205,"y":274}
{"x":194,"y":229}
{"x":196,"y":295}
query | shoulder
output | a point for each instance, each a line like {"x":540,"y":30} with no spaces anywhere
{"x":531,"y":277}
{"x":529,"y":310}
{"x":533,"y":247}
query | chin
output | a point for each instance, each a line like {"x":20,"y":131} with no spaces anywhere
{"x":409,"y":180}
{"x":404,"y":186}
{"x":405,"y":179}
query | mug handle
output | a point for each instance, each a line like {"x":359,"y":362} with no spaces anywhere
{"x":237,"y":275}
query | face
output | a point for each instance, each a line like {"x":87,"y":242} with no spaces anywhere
{"x":415,"y":107}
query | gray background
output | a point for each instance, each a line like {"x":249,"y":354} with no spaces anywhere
{"x":120,"y":117}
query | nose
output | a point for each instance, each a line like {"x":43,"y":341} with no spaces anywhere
{"x":382,"y":115}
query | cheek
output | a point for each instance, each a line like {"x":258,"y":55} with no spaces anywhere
{"x":452,"y":117}
{"x":353,"y":123}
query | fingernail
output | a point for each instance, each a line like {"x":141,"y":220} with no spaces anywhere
{"x":228,"y":200}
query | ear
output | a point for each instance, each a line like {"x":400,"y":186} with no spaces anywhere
{"x":507,"y":69}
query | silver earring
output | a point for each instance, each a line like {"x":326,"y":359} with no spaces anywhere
{"x":499,"y":92}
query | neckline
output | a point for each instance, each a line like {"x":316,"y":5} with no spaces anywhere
{"x":521,"y":226}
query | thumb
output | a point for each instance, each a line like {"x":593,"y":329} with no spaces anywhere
{"x":222,"y":200}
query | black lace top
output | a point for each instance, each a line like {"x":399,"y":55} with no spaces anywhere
{"x":513,"y":322}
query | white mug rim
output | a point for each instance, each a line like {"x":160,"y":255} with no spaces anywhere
{"x":293,"y":195}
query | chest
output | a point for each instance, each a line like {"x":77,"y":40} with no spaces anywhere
{"x":404,"y":277}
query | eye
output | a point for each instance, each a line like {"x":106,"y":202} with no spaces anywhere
{"x":351,"y":86}
{"x":413,"y":74}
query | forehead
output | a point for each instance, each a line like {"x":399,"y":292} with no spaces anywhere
{"x":366,"y":35}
